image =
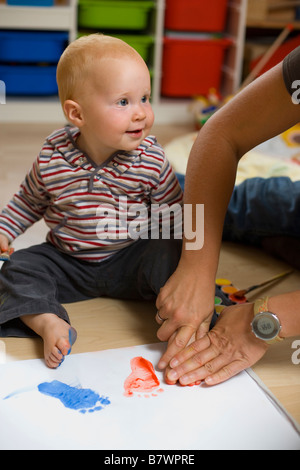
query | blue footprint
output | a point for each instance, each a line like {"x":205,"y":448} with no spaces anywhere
{"x":80,"y":399}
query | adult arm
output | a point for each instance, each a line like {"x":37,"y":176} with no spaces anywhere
{"x":259,"y":112}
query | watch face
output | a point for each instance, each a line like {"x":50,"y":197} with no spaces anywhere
{"x":266,"y":326}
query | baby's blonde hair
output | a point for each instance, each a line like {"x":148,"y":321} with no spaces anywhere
{"x":76,"y":61}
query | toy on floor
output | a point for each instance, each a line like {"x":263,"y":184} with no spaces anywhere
{"x":203,"y":107}
{"x":292,"y":136}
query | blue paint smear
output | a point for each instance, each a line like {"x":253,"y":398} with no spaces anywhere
{"x":18,"y":392}
{"x":81,"y":399}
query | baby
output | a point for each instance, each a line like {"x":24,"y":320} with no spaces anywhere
{"x":104,"y":157}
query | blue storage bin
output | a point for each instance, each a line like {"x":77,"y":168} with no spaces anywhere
{"x":31,"y":3}
{"x":32,"y":46}
{"x":31,"y":80}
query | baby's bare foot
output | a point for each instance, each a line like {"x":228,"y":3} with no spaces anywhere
{"x":57,"y":335}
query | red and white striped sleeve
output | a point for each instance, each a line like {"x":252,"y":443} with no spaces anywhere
{"x":26,"y":207}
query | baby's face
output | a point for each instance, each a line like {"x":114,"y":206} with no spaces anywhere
{"x":116,"y":105}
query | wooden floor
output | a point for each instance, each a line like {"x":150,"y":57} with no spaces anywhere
{"x":107,"y":323}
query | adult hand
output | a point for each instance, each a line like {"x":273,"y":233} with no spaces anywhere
{"x":226,"y":350}
{"x":185,"y":307}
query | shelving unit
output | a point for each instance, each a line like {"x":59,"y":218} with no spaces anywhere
{"x":64,"y":18}
{"x":61,"y":17}
{"x":235,"y":29}
{"x":264,"y":26}
{"x":57,"y":18}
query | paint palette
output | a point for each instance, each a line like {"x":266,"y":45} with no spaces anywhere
{"x":224,"y":295}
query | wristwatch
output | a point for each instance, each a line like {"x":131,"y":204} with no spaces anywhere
{"x":265,"y":324}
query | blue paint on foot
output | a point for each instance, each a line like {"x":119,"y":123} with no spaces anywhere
{"x":72,"y":337}
{"x":80,"y":399}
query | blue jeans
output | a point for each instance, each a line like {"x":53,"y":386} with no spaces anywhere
{"x":265,"y":213}
{"x":262,"y":208}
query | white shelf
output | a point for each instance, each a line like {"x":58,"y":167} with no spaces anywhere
{"x":31,"y":109}
{"x":56,"y":18}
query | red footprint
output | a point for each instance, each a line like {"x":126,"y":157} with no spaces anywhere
{"x":142,"y":378}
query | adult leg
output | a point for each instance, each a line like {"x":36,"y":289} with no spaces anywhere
{"x":266,"y":213}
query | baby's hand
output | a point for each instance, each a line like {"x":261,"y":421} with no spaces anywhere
{"x":4,"y":243}
{"x":5,"y":249}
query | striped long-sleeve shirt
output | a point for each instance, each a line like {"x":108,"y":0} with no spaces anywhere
{"x":92,"y":211}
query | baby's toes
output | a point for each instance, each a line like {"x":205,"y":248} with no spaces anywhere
{"x":54,"y":358}
{"x":62,"y":347}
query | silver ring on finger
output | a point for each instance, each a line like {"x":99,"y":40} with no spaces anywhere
{"x":159,"y":317}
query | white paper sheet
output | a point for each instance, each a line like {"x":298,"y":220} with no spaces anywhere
{"x":234,"y":415}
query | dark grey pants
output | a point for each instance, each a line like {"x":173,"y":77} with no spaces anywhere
{"x":40,"y":278}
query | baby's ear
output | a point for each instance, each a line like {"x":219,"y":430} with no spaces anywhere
{"x":73,"y":112}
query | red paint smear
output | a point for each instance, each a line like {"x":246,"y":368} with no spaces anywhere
{"x":142,"y":377}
